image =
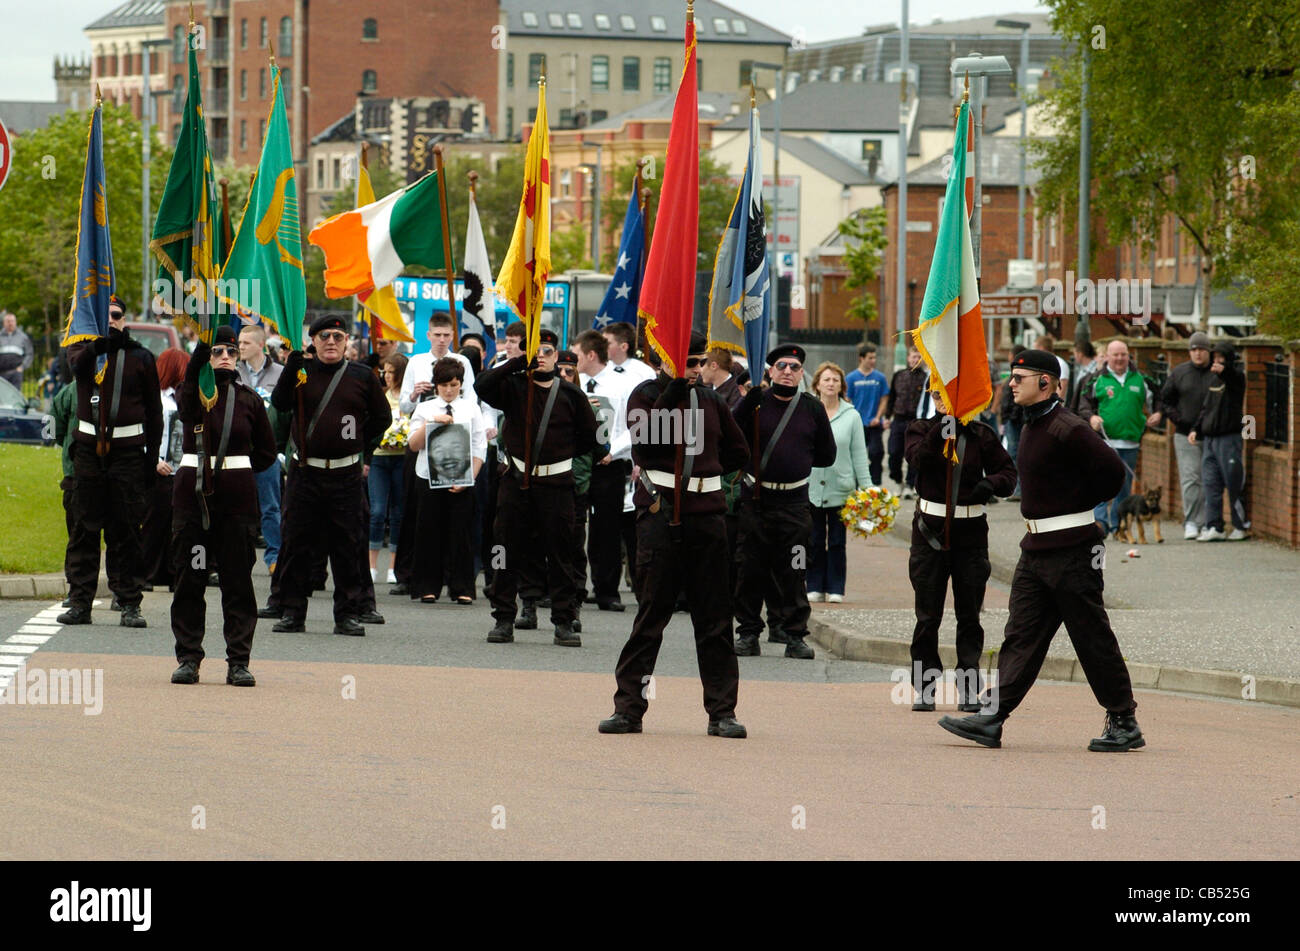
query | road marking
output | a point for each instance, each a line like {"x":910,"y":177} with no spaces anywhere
{"x":32,"y":635}
{"x":38,"y":629}
{"x":25,"y":637}
{"x":8,"y":648}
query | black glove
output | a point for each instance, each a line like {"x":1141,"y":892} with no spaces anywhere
{"x":202,"y":353}
{"x":372,"y":361}
{"x":311,"y":349}
{"x":675,"y":393}
{"x":100,"y":345}
{"x":982,"y":492}
{"x":749,"y":402}
{"x":293,"y":363}
{"x":516,"y":365}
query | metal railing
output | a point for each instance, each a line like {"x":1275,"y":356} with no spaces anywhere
{"x":216,"y":100}
{"x":1277,"y":401}
{"x":219,"y":49}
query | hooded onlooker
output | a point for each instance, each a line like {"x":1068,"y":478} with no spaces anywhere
{"x":1218,"y":429}
{"x":1181,"y":399}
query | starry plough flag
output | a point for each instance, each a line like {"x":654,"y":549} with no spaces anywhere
{"x":88,"y":318}
{"x":624,"y":291}
{"x":185,"y":239}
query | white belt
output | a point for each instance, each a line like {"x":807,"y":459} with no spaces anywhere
{"x":958,"y":511}
{"x":554,"y":468}
{"x":1058,"y":523}
{"x":231,"y":462}
{"x":119,"y":432}
{"x":343,"y":463}
{"x":665,"y":480}
{"x":784,"y":486}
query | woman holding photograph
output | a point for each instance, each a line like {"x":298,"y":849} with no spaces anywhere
{"x":386,"y":469}
{"x":451,"y":427}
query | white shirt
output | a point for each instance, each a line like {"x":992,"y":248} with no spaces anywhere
{"x":465,"y":412}
{"x":613,"y":386}
{"x":420,"y":370}
{"x":634,"y":368}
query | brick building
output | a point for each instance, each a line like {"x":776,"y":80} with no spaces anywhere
{"x":117,"y":55}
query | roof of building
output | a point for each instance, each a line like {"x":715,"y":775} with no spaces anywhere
{"x":831,"y":107}
{"x":712,"y":106}
{"x":578,"y":18}
{"x":999,"y":165}
{"x":26,"y":116}
{"x":824,"y":159}
{"x":133,"y":13}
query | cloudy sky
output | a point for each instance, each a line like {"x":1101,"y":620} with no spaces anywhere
{"x":35,"y":32}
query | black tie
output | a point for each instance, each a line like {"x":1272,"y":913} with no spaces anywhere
{"x":619,"y":370}
{"x":447,"y":409}
{"x":591,"y":386}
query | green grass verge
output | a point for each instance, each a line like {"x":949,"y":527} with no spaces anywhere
{"x":33,"y":533}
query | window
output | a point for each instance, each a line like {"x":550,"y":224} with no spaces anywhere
{"x":1033,"y":75}
{"x":720,"y":26}
{"x":894,"y":71}
{"x":338,"y":168}
{"x":556,"y":20}
{"x":320,"y":174}
{"x":566,"y":181}
{"x":814,"y":75}
{"x":746,"y":72}
{"x":600,"y":74}
{"x":243,"y":33}
{"x":243,"y":84}
{"x":510,"y":70}
{"x":699,"y":73}
{"x":599,"y":115}
{"x":529,"y":18}
{"x":510,"y":122}
{"x":286,"y":84}
{"x":575,"y":21}
{"x":286,"y":36}
{"x":261,"y":133}
{"x":265,"y":33}
{"x":370,"y":29}
{"x":243,"y":134}
{"x":261,"y":82}
{"x":176,"y":133}
{"x":631,"y":73}
{"x":699,"y":25}
{"x":566,"y":119}
{"x":532,"y":114}
{"x":178,"y":93}
{"x":659,"y":24}
{"x":837,"y":73}
{"x":859,"y":72}
{"x":602,"y":21}
{"x":369,"y":81}
{"x":536,"y":63}
{"x":739,"y":27}
{"x":663,"y":74}
{"x":627,"y":22}
{"x":791,"y":81}
{"x":178,"y":45}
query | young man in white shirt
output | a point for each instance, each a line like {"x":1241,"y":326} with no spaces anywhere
{"x":417,"y":384}
{"x":622,"y":339}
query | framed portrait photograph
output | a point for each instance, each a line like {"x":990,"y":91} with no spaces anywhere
{"x":448,"y":447}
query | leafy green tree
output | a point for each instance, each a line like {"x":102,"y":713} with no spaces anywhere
{"x":570,"y":248}
{"x":864,"y":244}
{"x":40,"y":204}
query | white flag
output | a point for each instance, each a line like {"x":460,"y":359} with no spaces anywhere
{"x":479,"y":307}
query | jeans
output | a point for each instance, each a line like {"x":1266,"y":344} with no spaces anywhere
{"x":1108,"y":512}
{"x":1222,"y":468}
{"x":268,"y":501}
{"x":827,"y":562}
{"x":875,"y":451}
{"x":1189,"y":478}
{"x":385,"y":499}
{"x":897,"y":440}
{"x":1012,"y":427}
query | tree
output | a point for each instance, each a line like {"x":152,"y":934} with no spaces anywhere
{"x":570,"y":248}
{"x":1181,"y":96}
{"x":40,"y":204}
{"x":864,"y":244}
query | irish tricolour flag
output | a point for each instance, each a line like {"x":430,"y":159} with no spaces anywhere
{"x":368,"y":247}
{"x":950,"y":335}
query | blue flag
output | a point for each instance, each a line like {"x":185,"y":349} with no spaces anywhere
{"x":619,"y":305}
{"x":88,"y":318}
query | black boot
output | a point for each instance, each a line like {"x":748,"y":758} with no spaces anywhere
{"x":565,"y":636}
{"x":131,"y":617}
{"x":116,"y":605}
{"x":984,"y":730}
{"x":239,"y":675}
{"x":290,"y":624}
{"x":797,"y":648}
{"x":925,"y":691}
{"x":619,"y":723}
{"x":349,"y":626}
{"x":74,"y":615}
{"x":502,"y":633}
{"x":528,"y":617}
{"x":728,"y":727}
{"x":577,"y":623}
{"x":269,"y":611}
{"x":747,"y":646}
{"x":186,"y":673}
{"x":1121,"y":734}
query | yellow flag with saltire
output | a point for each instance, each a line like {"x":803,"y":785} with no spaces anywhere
{"x":521,"y":283}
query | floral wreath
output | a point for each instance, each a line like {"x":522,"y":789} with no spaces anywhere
{"x":870,"y":511}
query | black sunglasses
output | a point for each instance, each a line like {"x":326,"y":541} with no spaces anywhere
{"x":222,"y":349}
{"x":693,"y":362}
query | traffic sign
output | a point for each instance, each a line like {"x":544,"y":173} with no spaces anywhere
{"x":1010,"y":305}
{"x":6,"y":154}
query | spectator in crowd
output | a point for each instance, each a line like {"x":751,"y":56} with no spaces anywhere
{"x":1083,"y":374}
{"x":50,"y":383}
{"x":385,"y":477}
{"x":260,"y":373}
{"x":1181,"y":399}
{"x":717,"y":373}
{"x":16,"y":353}
{"x":157,"y":530}
{"x":621,"y":338}
{"x":1217,"y":429}
{"x":1118,"y":404}
{"x":906,"y":391}
{"x":867,"y":389}
{"x":829,"y":487}
{"x":1047,"y":344}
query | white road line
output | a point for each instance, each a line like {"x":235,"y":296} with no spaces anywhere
{"x":17,"y":648}
{"x":23,"y":637}
{"x":39,"y":629}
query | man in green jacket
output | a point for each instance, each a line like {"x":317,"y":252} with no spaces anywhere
{"x":1117,"y":407}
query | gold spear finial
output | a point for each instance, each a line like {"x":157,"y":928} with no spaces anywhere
{"x":541,"y":78}
{"x":99,"y":97}
{"x":271,"y":46}
{"x":191,"y":16}
{"x":751,"y":93}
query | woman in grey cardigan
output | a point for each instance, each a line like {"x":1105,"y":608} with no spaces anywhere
{"x":828,"y":488}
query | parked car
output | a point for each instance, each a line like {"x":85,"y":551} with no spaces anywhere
{"x":21,"y":420}
{"x":157,"y":337}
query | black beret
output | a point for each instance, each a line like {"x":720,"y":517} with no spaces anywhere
{"x":1039,"y":361}
{"x":699,"y":343}
{"x":225,"y":334}
{"x":473,"y":336}
{"x":114,"y":300}
{"x":549,"y":336}
{"x":567,"y":358}
{"x":328,"y":322}
{"x":786,"y":350}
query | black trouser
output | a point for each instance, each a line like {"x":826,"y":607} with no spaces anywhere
{"x":772,"y":541}
{"x":897,"y":437}
{"x":698,"y":560}
{"x":488,"y":480}
{"x":1048,"y":588}
{"x":156,"y":534}
{"x":534,"y":567}
{"x":231,"y":543}
{"x":604,"y":541}
{"x":109,"y":497}
{"x":627,"y":527}
{"x":540,"y":518}
{"x":875,"y":451}
{"x":930,"y":570}
{"x":580,"y":504}
{"x":404,"y":550}
{"x":443,"y":549}
{"x":363,"y":553}
{"x":323,"y":515}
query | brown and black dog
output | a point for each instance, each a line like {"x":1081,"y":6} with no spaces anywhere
{"x":1136,"y":510}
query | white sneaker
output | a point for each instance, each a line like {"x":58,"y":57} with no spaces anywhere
{"x":1238,"y":535}
{"x":814,"y":596}
{"x":835,"y":598}
{"x":1190,"y":531}
{"x":392,"y":577}
{"x":1210,"y":535}
{"x":374,"y":573}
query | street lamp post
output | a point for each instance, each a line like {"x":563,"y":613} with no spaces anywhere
{"x":901,"y":316}
{"x":1021,"y":80}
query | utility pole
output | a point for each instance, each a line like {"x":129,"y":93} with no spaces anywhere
{"x":902,"y":315}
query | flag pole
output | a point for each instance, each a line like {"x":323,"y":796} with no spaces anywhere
{"x":356,"y":198}
{"x":530,"y":316}
{"x":446,"y":247}
{"x":643,"y":192}
{"x":225,"y":215}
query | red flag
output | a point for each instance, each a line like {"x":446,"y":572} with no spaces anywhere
{"x":668,"y":288}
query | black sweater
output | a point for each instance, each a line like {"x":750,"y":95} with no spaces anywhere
{"x":984,"y":459}
{"x":1183,"y":394}
{"x":141,"y":400}
{"x":807,"y":443}
{"x":359,"y":396}
{"x":1065,"y":467}
{"x":1220,"y":413}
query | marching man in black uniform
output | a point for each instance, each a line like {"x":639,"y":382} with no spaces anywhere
{"x":563,"y":426}
{"x":960,"y":551}
{"x":216,"y":511}
{"x":789,"y":434}
{"x":340,"y":417}
{"x":1065,"y":469}
{"x":681,"y":549}
{"x":114,"y":454}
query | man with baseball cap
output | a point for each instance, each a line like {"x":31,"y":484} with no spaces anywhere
{"x":1065,"y":469}
{"x":1181,"y":399}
